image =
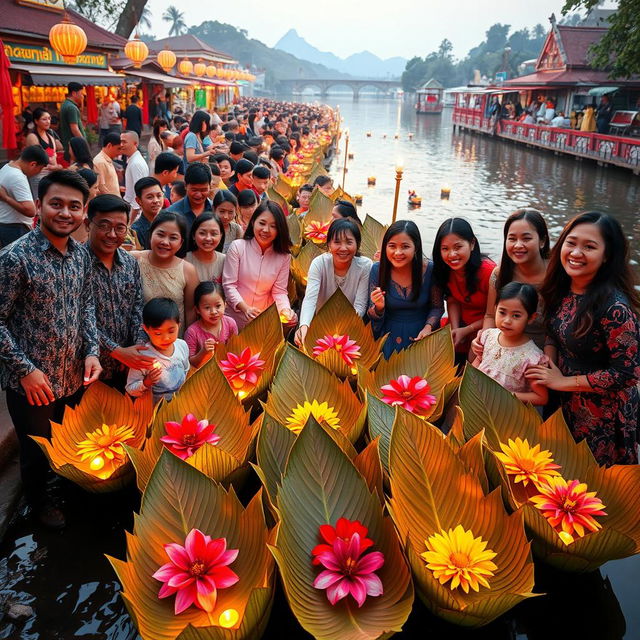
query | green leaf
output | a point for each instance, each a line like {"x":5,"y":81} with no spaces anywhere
{"x":372,"y":234}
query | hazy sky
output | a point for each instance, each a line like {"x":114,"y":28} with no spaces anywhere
{"x":395,"y":27}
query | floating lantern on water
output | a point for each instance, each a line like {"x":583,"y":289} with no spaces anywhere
{"x":445,"y":192}
{"x":396,"y":136}
{"x":368,"y":134}
{"x":371,"y":181}
{"x":384,"y":136}
{"x":411,"y":136}
{"x":414,"y":200}
{"x":351,"y":156}
{"x":358,"y":198}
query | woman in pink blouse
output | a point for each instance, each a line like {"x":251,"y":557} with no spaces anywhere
{"x":256,"y":269}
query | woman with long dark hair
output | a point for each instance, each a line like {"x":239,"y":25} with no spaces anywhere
{"x":591,"y":316}
{"x":199,"y":129}
{"x":463,"y":273}
{"x":155,"y":146}
{"x":80,"y":154}
{"x":404,"y":302}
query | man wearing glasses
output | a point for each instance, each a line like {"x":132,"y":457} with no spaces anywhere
{"x":117,"y":290}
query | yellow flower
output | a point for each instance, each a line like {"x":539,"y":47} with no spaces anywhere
{"x":526,"y":463}
{"x":459,"y":557}
{"x":104,"y":449}
{"x":323,"y":413}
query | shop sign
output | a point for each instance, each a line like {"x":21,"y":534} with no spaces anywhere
{"x":51,"y":5}
{"x":17,"y":52}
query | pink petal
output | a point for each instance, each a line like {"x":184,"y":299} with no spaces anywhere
{"x":185,"y":598}
{"x":165,"y":572}
{"x":326,"y":578}
{"x":207,"y":601}
{"x":180,"y":580}
{"x":330,"y":561}
{"x":338,"y":591}
{"x":214,"y":551}
{"x":165,"y":591}
{"x":374,"y":584}
{"x":178,"y":555}
{"x":195,"y":544}
{"x":370,"y":562}
{"x":358,"y":590}
{"x":228,"y":557}
{"x":223,"y":577}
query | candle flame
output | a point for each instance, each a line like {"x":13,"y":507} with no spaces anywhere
{"x":228,"y":618}
{"x":97,"y":463}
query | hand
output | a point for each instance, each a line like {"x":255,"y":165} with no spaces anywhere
{"x":292,"y":318}
{"x":426,"y":330}
{"x":459,"y":335}
{"x":152,"y":376}
{"x":132,"y":358}
{"x":477,"y":348}
{"x":210,"y":345}
{"x":92,"y":370}
{"x":377,"y":297}
{"x":548,"y":375}
{"x":301,"y":335}
{"x":37,"y":388}
{"x":251,"y":313}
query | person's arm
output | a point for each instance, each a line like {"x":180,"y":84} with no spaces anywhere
{"x":375,"y":295}
{"x":191,"y":282}
{"x":434,"y":314}
{"x":25,"y":207}
{"x":75,"y":130}
{"x":230,"y":277}
{"x":310,"y":301}
{"x":454,"y":312}
{"x":538,"y":396}
{"x":139,"y":381}
{"x":190,"y":149}
{"x":490,"y":314}
{"x":362,"y":291}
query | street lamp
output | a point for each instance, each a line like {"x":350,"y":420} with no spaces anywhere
{"x":399,"y":170}
{"x":346,"y":155}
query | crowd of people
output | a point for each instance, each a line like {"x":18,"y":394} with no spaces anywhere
{"x":168,"y":268}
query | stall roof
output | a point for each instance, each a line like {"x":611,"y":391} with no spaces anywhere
{"x":190,"y":45}
{"x":166,"y":79}
{"x":51,"y":74}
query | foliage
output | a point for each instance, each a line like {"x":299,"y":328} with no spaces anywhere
{"x":176,"y":18}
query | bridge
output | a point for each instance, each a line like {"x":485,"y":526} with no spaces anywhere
{"x":298,"y":85}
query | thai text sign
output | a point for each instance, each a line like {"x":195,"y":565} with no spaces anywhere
{"x":51,"y":5}
{"x":46,"y":55}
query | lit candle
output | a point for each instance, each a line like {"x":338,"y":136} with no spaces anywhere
{"x":228,"y":618}
{"x":445,"y":192}
{"x":241,"y":394}
{"x":368,"y":134}
{"x":358,"y":198}
{"x":97,"y":463}
{"x":371,"y":180}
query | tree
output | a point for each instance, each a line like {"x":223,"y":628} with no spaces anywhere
{"x":120,"y":16}
{"x":129,"y":17}
{"x":539,"y":32}
{"x":176,"y":18}
{"x":617,"y":51}
{"x":497,"y":37}
{"x":445,"y":49}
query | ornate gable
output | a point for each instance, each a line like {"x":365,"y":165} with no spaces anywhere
{"x":551,"y":57}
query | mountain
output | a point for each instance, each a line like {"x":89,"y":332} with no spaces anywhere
{"x":364,"y":64}
{"x":249,"y":52}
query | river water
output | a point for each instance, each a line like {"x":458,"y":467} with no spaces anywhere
{"x":65,"y":576}
{"x":489,"y":178}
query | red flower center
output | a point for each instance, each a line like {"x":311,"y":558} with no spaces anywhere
{"x":349,"y":566}
{"x":189,"y":439}
{"x":569,"y":505}
{"x":197,"y":568}
{"x":407,"y":394}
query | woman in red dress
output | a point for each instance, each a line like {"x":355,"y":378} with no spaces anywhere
{"x":591,"y":308}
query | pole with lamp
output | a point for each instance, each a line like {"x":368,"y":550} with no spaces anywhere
{"x":399,"y":171}
{"x":346,"y":155}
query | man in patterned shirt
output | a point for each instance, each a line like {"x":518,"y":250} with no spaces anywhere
{"x":117,"y":290}
{"x":48,"y":336}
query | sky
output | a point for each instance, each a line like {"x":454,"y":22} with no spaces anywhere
{"x":392,"y":28}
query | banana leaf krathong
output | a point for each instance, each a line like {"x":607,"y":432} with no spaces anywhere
{"x":320,"y":207}
{"x":272,"y":194}
{"x":337,"y":317}
{"x":320,"y":487}
{"x":295,"y":232}
{"x":100,"y":425}
{"x":317,"y":170}
{"x":372,"y":233}
{"x":300,"y":264}
{"x":340,"y":194}
{"x":467,"y":584}
{"x":207,"y":396}
{"x":178,"y":499}
{"x":303,"y":387}
{"x":486,"y":405}
{"x":284,"y":188}
{"x":262,"y":335}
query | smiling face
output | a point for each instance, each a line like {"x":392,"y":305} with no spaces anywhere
{"x":225,"y":169}
{"x":455,"y":251}
{"x":208,"y":236}
{"x":151,"y":200}
{"x":166,"y":240}
{"x":61,"y":210}
{"x":226,"y":212}
{"x":343,"y":248}
{"x":265,"y":230}
{"x":198,"y":193}
{"x":523,"y":244}
{"x":511,"y":317}
{"x":211,"y":308}
{"x":400,"y":250}
{"x":583,"y":252}
{"x":303,"y":199}
{"x":107,"y":232}
{"x":44,"y":121}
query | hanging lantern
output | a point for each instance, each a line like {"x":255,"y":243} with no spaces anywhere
{"x":185,"y":67}
{"x":68,"y":40}
{"x":211,"y":70}
{"x":167,"y":60}
{"x":199,"y":68}
{"x":137,"y":51}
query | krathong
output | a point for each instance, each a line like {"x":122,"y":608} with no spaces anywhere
{"x":528,"y":464}
{"x":457,"y":556}
{"x":569,"y":508}
{"x":348,"y":349}
{"x":316,"y":231}
{"x":186,"y":437}
{"x":196,"y":571}
{"x":242,"y":371}
{"x":321,"y":411}
{"x":411,"y":394}
{"x":349,"y":569}
{"x":103,"y":447}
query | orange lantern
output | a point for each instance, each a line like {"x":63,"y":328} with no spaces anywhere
{"x":137,"y":51}
{"x":211,"y":70}
{"x":199,"y":68}
{"x":185,"y":67}
{"x":68,"y":40}
{"x":167,"y":60}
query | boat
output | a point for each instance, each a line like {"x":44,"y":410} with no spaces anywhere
{"x":429,"y":98}
{"x":414,"y":200}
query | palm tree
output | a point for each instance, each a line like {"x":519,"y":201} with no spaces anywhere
{"x":145,"y":19}
{"x":176,"y":18}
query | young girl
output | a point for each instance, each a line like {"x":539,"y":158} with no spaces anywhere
{"x":247,"y":204}
{"x":463,"y":273}
{"x":161,"y":321}
{"x":205,"y":237}
{"x":211,"y":327}
{"x":508,"y":351}
{"x":225,"y":205}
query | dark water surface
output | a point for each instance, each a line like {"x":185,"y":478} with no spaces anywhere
{"x":65,"y":577}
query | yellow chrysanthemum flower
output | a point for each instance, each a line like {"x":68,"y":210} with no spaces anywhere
{"x":526,"y":463}
{"x":104,"y":448}
{"x":322,"y":412}
{"x":457,"y":556}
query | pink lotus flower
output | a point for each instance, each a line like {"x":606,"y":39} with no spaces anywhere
{"x":349,"y":572}
{"x":348,"y":349}
{"x":242,"y":372}
{"x":317,"y":232}
{"x":196,"y":571}
{"x":185,"y":439}
{"x":344,"y":529}
{"x":410,"y":393}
